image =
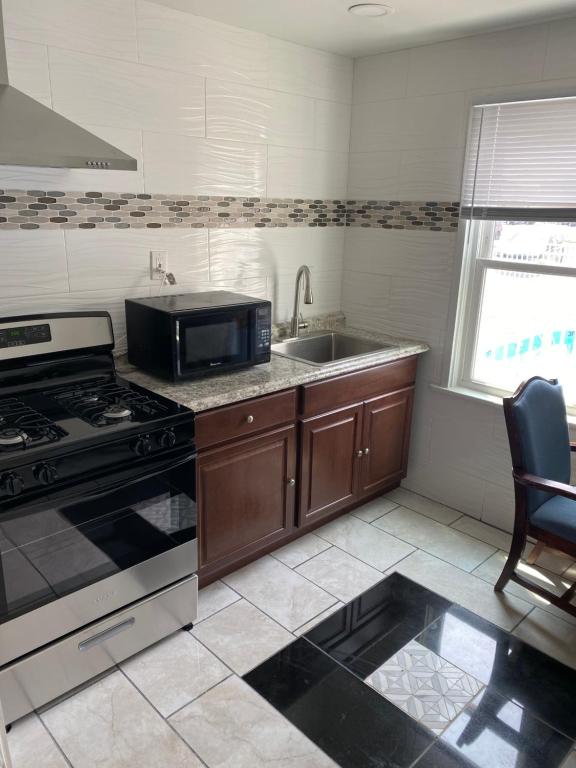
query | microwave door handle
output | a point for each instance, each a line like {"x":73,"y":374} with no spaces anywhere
{"x":61,"y":499}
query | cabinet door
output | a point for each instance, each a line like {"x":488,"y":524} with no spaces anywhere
{"x":246,"y":499}
{"x":329,"y":463}
{"x":385,"y":440}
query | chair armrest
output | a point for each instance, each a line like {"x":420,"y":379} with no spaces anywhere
{"x":550,"y":486}
{"x":573,"y":446}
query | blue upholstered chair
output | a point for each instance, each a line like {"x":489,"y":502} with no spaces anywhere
{"x":545,"y":500}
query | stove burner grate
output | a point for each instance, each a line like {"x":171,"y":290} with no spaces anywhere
{"x":103,"y":404}
{"x":22,"y":427}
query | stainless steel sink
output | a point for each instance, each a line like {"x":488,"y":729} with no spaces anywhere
{"x":327,"y":348}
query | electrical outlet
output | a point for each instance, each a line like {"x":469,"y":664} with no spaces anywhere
{"x":158,"y":264}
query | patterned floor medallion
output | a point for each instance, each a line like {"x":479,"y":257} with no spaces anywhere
{"x":425,"y":686}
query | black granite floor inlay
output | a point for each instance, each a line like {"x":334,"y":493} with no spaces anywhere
{"x":402,"y":677}
{"x":493,"y":732}
{"x":505,"y":664}
{"x":350,"y":721}
{"x":363,"y":634}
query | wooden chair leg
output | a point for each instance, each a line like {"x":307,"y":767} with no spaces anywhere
{"x":518,"y":543}
{"x":535,"y":553}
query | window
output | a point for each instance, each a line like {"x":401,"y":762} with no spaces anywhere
{"x":517,"y":304}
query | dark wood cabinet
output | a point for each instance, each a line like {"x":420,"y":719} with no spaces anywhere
{"x":330,"y":450}
{"x":246,"y":497}
{"x":272,"y":467}
{"x":385,"y":440}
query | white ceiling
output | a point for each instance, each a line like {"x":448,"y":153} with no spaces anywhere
{"x":326,"y":24}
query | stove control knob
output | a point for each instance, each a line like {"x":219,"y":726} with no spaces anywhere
{"x":167,"y":439}
{"x":11,"y":483}
{"x":45,"y":473}
{"x":143,"y":446}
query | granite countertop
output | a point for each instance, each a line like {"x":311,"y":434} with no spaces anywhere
{"x":280,"y":373}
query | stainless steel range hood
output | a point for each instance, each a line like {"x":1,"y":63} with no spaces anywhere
{"x":34,"y":135}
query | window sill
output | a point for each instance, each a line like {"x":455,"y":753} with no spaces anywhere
{"x":484,"y":397}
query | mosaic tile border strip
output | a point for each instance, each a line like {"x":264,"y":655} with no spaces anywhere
{"x":45,"y":209}
{"x":402,"y":214}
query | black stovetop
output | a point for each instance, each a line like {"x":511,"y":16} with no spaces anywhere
{"x":86,"y":411}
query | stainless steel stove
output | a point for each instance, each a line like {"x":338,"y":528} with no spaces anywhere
{"x":98,"y":550}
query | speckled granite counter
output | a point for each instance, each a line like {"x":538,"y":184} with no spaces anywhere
{"x":280,"y":373}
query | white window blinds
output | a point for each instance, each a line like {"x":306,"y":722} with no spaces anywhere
{"x":521,"y":161}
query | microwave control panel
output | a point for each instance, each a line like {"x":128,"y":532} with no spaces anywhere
{"x":263,"y":330}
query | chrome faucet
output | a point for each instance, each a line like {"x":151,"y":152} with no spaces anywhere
{"x":295,"y":323}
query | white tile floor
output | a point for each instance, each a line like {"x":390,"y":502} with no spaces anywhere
{"x":182,"y":703}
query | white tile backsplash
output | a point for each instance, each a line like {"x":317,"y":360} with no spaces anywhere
{"x":203,"y":166}
{"x":498,"y":58}
{"x":422,"y":122}
{"x":306,"y":173}
{"x":121,"y":258}
{"x":380,"y":77}
{"x":32,"y":265}
{"x":93,"y":89}
{"x":28,"y":69}
{"x":171,"y":39}
{"x":245,"y":113}
{"x":297,"y":69}
{"x":105,"y":28}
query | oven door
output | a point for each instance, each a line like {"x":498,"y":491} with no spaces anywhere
{"x":208,"y":341}
{"x":73,"y":557}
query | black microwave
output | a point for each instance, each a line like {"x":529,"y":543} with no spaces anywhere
{"x":182,"y":336}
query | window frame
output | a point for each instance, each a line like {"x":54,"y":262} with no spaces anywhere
{"x":478,"y":238}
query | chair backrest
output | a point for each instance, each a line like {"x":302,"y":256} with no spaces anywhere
{"x":538,"y":434}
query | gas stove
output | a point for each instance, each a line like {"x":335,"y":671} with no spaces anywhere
{"x":97,"y":509}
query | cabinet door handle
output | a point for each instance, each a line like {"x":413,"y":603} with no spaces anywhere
{"x":359,"y":454}
{"x":366,"y":451}
{"x":291,"y":481}
{"x":249,"y":419}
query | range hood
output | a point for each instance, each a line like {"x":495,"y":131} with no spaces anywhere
{"x":34,"y":135}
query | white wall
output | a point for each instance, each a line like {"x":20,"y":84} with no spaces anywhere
{"x":206,"y":109}
{"x":408,"y":134}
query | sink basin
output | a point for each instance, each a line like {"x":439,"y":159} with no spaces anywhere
{"x":327,"y":348}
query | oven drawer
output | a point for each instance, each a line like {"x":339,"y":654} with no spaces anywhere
{"x":64,"y":665}
{"x":246,"y":418}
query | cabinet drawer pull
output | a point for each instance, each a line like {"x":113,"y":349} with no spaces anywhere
{"x":101,"y":637}
{"x":249,"y":419}
{"x":366,"y":451}
{"x":291,"y":481}
{"x":359,"y":454}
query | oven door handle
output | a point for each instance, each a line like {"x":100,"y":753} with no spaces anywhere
{"x":72,"y":494}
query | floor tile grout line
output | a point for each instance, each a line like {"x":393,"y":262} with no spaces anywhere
{"x":227,"y":664}
{"x":307,"y":579}
{"x":365,"y":562}
{"x":239,"y":597}
{"x":401,"y":504}
{"x":257,"y":608}
{"x":293,"y":567}
{"x":420,"y":549}
{"x":164,"y":719}
{"x":53,"y":738}
{"x":40,"y":711}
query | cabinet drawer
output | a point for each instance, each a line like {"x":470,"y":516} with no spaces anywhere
{"x":245,"y":418}
{"x":360,"y":385}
